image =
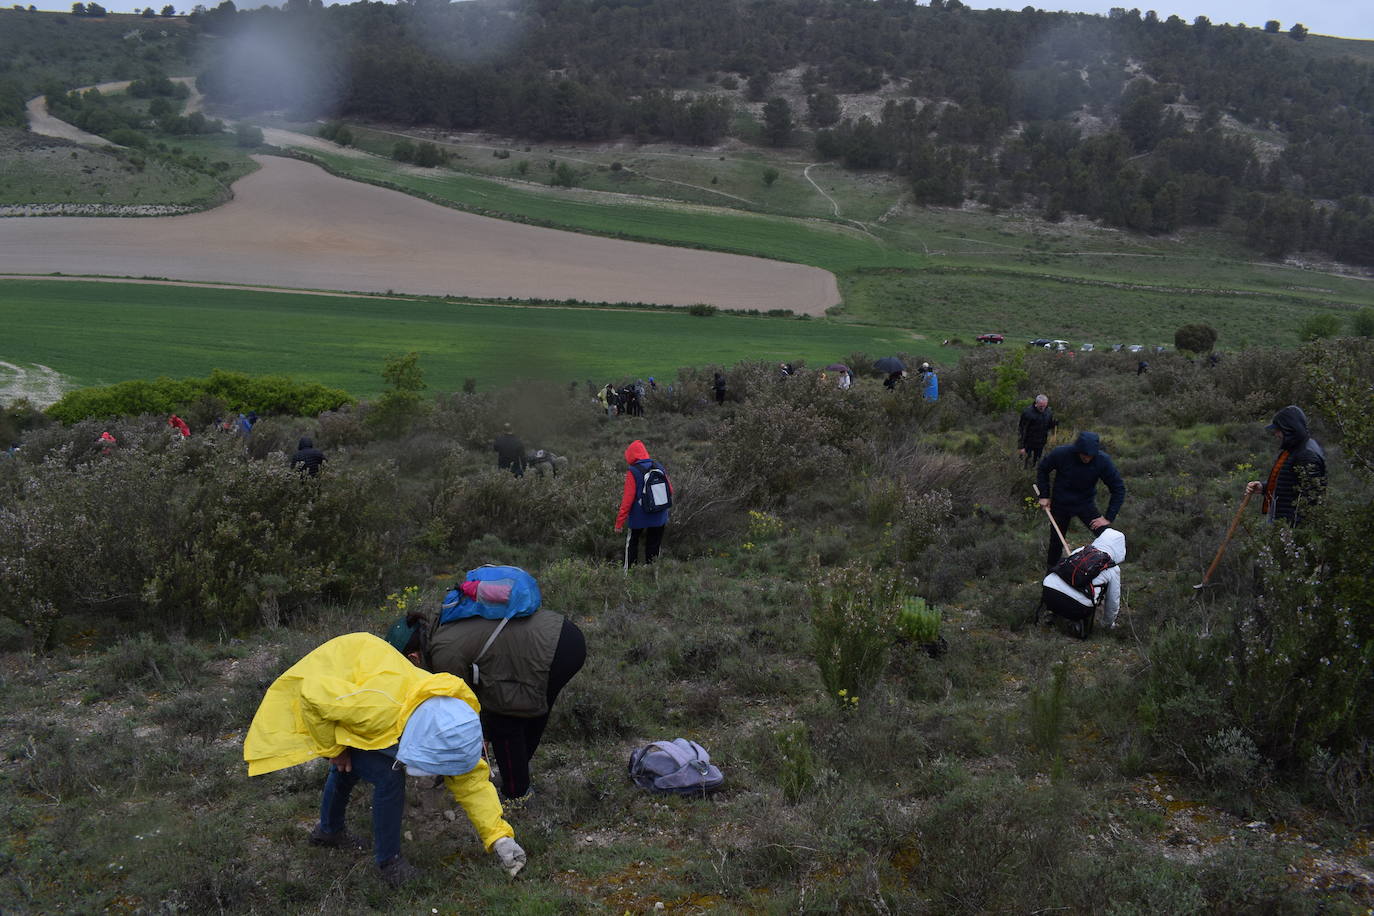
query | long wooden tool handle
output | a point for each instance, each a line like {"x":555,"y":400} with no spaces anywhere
{"x":1230,"y":532}
{"x":1053,"y":523}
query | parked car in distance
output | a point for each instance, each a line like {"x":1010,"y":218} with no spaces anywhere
{"x":989,"y":338}
{"x":1059,"y":345}
{"x":1134,"y":348}
{"x":1039,"y":342}
{"x":1085,"y":348}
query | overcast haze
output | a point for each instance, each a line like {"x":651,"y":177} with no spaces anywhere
{"x":1342,"y":18}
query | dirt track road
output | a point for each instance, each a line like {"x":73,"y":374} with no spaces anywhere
{"x":293,"y":225}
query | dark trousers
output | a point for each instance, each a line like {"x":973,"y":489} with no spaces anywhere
{"x":1033,"y":455}
{"x":1062,"y":517}
{"x":388,"y":799}
{"x":653,"y":539}
{"x":513,"y":739}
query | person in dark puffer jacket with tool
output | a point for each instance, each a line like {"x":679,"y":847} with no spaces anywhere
{"x":1077,"y":468}
{"x":1297,"y":479}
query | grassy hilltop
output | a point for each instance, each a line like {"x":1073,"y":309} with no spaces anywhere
{"x":1209,"y":755}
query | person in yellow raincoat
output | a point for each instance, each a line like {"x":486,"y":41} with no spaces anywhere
{"x":362,"y":705}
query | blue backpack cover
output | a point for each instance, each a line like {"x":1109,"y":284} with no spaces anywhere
{"x":503,"y":592}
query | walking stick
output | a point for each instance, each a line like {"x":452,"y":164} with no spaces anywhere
{"x":1207,"y":576}
{"x":1053,"y":523}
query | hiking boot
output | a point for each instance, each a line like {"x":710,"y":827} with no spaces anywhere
{"x":396,"y":871}
{"x":339,"y":840}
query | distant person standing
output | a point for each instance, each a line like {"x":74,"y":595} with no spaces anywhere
{"x":1297,"y":478}
{"x":930,"y":383}
{"x":1034,"y":428}
{"x":1142,"y":367}
{"x":307,"y":459}
{"x":178,"y":424}
{"x":510,"y":452}
{"x":644,"y":504}
{"x":1077,"y":468}
{"x":718,"y":383}
{"x":846,"y":380}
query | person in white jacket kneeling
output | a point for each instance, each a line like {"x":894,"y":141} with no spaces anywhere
{"x":1078,"y":605}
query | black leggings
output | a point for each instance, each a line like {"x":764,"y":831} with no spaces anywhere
{"x":653,"y":540}
{"x":514,"y":739}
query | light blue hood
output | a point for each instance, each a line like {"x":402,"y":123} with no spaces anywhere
{"x":443,"y":737}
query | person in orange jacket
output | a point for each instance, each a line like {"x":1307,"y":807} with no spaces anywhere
{"x":643,"y":504}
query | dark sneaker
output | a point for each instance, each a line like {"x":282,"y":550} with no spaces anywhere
{"x":340,"y":840}
{"x":396,"y":871}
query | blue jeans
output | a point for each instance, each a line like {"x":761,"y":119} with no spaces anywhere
{"x":388,"y":799}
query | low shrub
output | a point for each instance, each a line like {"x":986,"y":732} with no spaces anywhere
{"x":853,"y":616}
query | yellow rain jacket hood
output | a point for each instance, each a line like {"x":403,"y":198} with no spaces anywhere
{"x":357,"y":691}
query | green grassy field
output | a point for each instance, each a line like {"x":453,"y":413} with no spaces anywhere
{"x":43,"y":170}
{"x":98,"y":333}
{"x":822,"y":244}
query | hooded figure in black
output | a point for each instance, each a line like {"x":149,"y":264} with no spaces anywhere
{"x":1298,"y":478}
{"x":510,"y":452}
{"x":1077,"y":468}
{"x":307,"y":458}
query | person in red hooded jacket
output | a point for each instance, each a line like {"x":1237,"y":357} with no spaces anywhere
{"x":644,"y":523}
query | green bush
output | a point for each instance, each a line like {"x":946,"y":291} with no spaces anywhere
{"x":1002,"y":391}
{"x":1196,"y":338}
{"x":1319,"y":327}
{"x":237,"y":391}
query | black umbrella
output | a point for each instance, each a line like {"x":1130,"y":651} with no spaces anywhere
{"x":890,"y":364}
{"x":837,"y":367}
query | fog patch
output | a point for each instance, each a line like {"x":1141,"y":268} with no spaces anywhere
{"x":275,"y":62}
{"x":38,"y":384}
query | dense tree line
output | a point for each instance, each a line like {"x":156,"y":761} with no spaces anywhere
{"x":1141,"y":122}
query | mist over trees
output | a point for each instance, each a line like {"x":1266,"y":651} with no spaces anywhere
{"x":1144,"y":123}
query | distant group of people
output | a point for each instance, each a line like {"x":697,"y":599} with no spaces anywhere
{"x":626,"y":400}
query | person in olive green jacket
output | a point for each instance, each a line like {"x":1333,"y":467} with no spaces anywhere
{"x":516,"y":678}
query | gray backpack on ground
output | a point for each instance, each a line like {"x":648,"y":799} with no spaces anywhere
{"x":679,"y":767}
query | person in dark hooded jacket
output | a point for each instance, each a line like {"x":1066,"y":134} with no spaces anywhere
{"x":307,"y":459}
{"x":1298,"y":478}
{"x":1077,"y":468}
{"x":642,"y":523}
{"x":1033,"y":430}
{"x":510,"y":452}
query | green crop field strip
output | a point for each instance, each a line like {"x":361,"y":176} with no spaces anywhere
{"x":820,"y":244}
{"x":98,"y":333}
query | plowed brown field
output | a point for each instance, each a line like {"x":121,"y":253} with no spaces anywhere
{"x":293,"y":225}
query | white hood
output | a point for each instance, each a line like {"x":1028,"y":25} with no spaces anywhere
{"x":1113,"y":543}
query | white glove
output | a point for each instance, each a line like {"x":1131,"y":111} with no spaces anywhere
{"x":510,"y":855}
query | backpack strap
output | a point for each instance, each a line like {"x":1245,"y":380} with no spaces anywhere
{"x":476,"y":676}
